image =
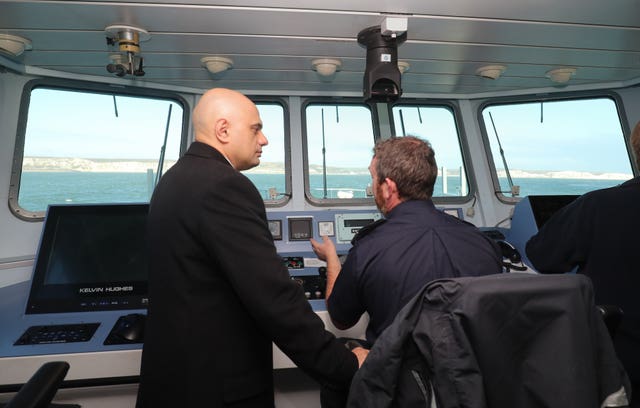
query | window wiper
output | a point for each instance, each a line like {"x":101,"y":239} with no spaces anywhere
{"x":324,"y":160}
{"x":515,"y":190}
{"x":115,"y":105}
{"x":162,"y":149}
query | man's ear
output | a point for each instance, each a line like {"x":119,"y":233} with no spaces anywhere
{"x":392,"y":188}
{"x":221,"y":129}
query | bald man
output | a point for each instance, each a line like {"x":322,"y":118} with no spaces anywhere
{"x":219,"y":292}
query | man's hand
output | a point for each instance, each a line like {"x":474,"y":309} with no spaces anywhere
{"x":325,"y":250}
{"x":361,"y":353}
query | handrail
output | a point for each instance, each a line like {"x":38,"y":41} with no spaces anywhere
{"x":16,"y":262}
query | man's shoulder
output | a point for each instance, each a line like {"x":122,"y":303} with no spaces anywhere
{"x":367,"y":229}
{"x":628,"y":188}
{"x":212,"y":176}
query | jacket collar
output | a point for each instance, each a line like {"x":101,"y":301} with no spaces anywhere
{"x":410,"y":206}
{"x":204,"y":150}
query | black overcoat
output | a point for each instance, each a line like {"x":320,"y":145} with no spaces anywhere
{"x":220,"y":295}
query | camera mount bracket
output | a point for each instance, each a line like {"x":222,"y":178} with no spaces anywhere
{"x":128,"y":60}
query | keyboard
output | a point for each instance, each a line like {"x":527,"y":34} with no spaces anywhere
{"x":60,"y":333}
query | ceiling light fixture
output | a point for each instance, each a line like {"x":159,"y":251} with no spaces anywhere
{"x":490,"y":71}
{"x":216,"y":65}
{"x":403,"y":66}
{"x":561,"y":75}
{"x":14,"y":45}
{"x":326,"y":66}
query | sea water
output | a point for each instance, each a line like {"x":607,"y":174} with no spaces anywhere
{"x":38,"y":189}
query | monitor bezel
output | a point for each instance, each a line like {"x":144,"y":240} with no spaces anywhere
{"x":39,"y":303}
{"x":544,"y":207}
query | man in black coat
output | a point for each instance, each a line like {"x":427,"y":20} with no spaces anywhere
{"x":598,"y":234}
{"x":219,"y":292}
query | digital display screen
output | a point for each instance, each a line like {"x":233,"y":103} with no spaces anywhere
{"x":358,"y":223}
{"x":300,"y":229}
{"x":91,"y":257}
{"x":275,"y":227}
{"x":543,"y":207}
{"x":93,"y":248}
{"x":349,"y":224}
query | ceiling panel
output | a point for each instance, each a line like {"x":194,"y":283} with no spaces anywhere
{"x":272,"y":43}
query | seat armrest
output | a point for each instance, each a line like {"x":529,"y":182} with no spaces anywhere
{"x":41,"y":387}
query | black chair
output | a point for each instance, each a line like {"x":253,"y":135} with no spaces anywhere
{"x":506,"y":340}
{"x":41,"y":387}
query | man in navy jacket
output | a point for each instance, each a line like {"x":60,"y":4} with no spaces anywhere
{"x":392,"y":259}
{"x":598,"y":233}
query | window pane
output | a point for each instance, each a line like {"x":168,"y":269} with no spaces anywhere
{"x":85,"y":147}
{"x":269,"y":177}
{"x":437,"y":125}
{"x":557,"y":147}
{"x":339,"y":147}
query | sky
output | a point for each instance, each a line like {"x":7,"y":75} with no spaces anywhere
{"x":348,"y":135}
{"x":61,"y":123}
{"x":579,"y":135}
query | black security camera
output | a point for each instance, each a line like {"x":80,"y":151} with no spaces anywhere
{"x":381,"y":76}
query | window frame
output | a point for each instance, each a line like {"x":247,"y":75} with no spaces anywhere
{"x":535,"y":98}
{"x":327,"y":202}
{"x":465,"y":152}
{"x":287,"y":194}
{"x":84,"y":87}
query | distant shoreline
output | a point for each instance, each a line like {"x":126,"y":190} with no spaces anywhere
{"x":68,"y":164}
{"x":566,"y":174}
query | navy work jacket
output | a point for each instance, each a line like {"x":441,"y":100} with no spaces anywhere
{"x":390,"y":262}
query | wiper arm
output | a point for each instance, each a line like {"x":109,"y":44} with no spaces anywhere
{"x":514,"y":190}
{"x":324,"y":160}
{"x":163,"y":148}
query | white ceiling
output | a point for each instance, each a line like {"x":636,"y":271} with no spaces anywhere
{"x":272,"y":43}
